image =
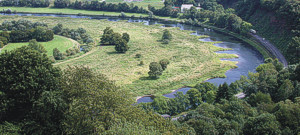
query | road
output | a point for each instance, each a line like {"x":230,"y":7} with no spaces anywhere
{"x":272,"y":49}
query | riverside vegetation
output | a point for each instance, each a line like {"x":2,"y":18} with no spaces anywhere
{"x":93,"y":94}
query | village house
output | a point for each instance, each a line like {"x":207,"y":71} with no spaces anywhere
{"x":188,"y":6}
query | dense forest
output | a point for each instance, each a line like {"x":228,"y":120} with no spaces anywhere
{"x":277,"y":20}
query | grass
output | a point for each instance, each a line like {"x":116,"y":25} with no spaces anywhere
{"x":191,"y":61}
{"x":144,"y":3}
{"x":67,"y":11}
{"x":59,"y":42}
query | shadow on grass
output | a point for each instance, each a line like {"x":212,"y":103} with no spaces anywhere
{"x":112,"y":53}
{"x":146,"y":78}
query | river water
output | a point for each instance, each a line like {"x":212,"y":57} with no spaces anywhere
{"x":249,"y":58}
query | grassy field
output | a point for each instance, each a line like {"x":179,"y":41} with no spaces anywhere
{"x":67,"y":11}
{"x":59,"y":42}
{"x":144,"y":3}
{"x":191,"y":61}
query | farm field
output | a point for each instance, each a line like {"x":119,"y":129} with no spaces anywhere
{"x":59,"y":42}
{"x":191,"y":61}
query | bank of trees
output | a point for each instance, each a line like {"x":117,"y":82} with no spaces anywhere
{"x":271,"y":105}
{"x":27,"y":3}
{"x":73,"y":101}
{"x":120,"y":42}
{"x":24,"y":30}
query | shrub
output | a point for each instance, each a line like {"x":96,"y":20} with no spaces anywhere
{"x":155,"y":70}
{"x":164,"y":63}
{"x":141,"y":63}
{"x":1,"y":44}
{"x":57,"y":54}
{"x":4,"y":40}
{"x":138,"y":55}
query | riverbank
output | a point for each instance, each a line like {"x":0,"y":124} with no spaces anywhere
{"x":260,"y":47}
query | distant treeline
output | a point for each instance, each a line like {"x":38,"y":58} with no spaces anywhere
{"x":27,"y":3}
{"x":24,"y":30}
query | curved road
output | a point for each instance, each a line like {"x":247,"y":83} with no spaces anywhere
{"x":271,"y":48}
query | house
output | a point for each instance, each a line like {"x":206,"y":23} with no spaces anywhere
{"x":188,"y":6}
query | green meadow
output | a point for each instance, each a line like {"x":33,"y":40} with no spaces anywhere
{"x":191,"y":61}
{"x":59,"y":42}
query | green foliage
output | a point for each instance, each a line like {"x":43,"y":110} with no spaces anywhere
{"x":155,"y":70}
{"x":259,"y":98}
{"x":61,"y":3}
{"x":194,"y":97}
{"x":224,"y":92}
{"x":121,"y":46}
{"x":57,"y":54}
{"x":29,"y":92}
{"x":107,"y":36}
{"x":126,"y":37}
{"x":138,"y":55}
{"x":58,"y":28}
{"x":166,"y":35}
{"x":164,"y":63}
{"x":1,"y":44}
{"x":7,"y":128}
{"x":160,"y":105}
{"x":33,"y":44}
{"x":4,"y":40}
{"x":262,"y":124}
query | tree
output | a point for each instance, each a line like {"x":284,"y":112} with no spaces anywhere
{"x":155,"y":70}
{"x":33,"y":44}
{"x":4,"y":40}
{"x":58,"y":29}
{"x":166,"y":35}
{"x":194,"y":97}
{"x":107,"y":36}
{"x":126,"y":37}
{"x":121,"y":46}
{"x":160,"y":105}
{"x":57,"y":54}
{"x":61,"y":3}
{"x":223,"y":92}
{"x":264,"y":124}
{"x":30,"y":74}
{"x":164,"y":63}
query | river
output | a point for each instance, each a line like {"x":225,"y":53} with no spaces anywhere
{"x":248,"y":57}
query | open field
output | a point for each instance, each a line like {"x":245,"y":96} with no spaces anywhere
{"x":59,"y":42}
{"x":144,"y":3}
{"x":67,"y":11}
{"x":191,"y":61}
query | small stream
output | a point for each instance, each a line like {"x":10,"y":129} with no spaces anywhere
{"x":249,"y":58}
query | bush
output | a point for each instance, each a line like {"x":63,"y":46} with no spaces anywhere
{"x":138,"y":55}
{"x":1,"y":44}
{"x":167,"y":35}
{"x":121,"y":46}
{"x":164,"y":63}
{"x":57,"y":54}
{"x":4,"y":40}
{"x":61,"y":3}
{"x":155,"y":70}
{"x":141,"y":63}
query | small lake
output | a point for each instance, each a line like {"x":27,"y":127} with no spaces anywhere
{"x":249,"y":58}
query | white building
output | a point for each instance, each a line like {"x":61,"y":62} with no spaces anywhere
{"x":188,"y":6}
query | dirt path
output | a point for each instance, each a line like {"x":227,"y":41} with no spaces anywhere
{"x":92,"y":51}
{"x":271,"y":48}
